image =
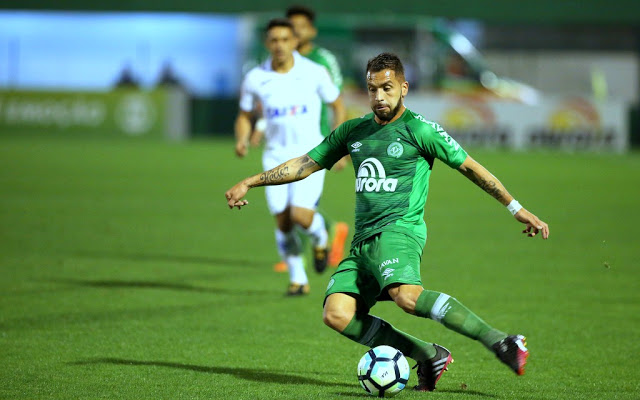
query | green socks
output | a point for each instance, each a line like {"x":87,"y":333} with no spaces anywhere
{"x":455,"y":316}
{"x":372,"y":331}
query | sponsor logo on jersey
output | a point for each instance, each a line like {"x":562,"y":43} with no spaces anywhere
{"x":388,"y":273}
{"x":395,"y":149}
{"x":373,"y":178}
{"x":388,"y":262}
{"x":290,"y":111}
{"x":356,"y":147}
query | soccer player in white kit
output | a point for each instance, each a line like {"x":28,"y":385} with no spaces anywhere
{"x":290,"y":90}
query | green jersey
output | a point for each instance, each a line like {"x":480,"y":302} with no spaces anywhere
{"x":325,"y":58}
{"x":392,"y":164}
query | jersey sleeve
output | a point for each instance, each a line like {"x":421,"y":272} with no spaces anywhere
{"x":327,"y":91}
{"x":332,"y":148}
{"x":247,"y":95}
{"x":331,"y":63}
{"x":436,"y":143}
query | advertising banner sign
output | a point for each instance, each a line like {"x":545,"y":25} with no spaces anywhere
{"x":161,"y":113}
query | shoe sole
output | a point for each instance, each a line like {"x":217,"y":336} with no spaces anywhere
{"x":448,"y":361}
{"x":337,"y":245}
{"x":280,"y":267}
{"x":523,"y":354}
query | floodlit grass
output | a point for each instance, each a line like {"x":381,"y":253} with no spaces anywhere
{"x":124,"y":276}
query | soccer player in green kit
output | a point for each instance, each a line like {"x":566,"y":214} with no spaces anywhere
{"x":303,"y":19}
{"x":393,"y":151}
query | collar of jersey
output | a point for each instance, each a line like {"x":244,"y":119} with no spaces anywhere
{"x":267,"y":64}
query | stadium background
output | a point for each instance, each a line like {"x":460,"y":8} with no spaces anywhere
{"x":125,"y":276}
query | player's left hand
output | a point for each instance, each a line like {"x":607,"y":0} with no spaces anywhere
{"x":235,"y":194}
{"x":534,"y":224}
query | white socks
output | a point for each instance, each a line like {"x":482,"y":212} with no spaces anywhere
{"x":289,"y":249}
{"x":297,"y":273}
{"x":317,"y":231}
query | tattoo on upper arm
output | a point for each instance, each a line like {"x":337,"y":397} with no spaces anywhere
{"x":306,"y":162}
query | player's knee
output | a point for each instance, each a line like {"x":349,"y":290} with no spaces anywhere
{"x":302,"y":217}
{"x":407,"y":302}
{"x":336,"y":318}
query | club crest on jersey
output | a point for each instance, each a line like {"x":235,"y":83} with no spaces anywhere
{"x":292,"y":111}
{"x":395,"y":149}
{"x":373,"y":178}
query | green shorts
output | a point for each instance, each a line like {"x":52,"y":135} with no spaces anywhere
{"x":373,"y":264}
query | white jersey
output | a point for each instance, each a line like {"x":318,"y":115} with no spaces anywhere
{"x":291,"y":104}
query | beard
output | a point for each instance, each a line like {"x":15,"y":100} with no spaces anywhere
{"x":388,"y":115}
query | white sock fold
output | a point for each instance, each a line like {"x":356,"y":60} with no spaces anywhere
{"x":290,"y":249}
{"x":288,"y":243}
{"x":297,"y":273}
{"x":317,"y":231}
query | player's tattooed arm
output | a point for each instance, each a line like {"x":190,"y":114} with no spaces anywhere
{"x":293,"y":170}
{"x":490,"y":184}
{"x":479,"y":175}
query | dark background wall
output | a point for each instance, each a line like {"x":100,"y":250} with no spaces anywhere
{"x":588,"y":24}
{"x":541,"y":11}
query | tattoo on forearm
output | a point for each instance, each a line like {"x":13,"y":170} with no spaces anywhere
{"x":491,"y":188}
{"x":275,"y":175}
{"x":307,"y":162}
{"x":488,"y":186}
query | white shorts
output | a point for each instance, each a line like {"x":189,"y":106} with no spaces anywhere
{"x":304,"y":194}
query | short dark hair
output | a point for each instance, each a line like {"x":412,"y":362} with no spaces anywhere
{"x":275,"y":22}
{"x":301,"y":10}
{"x":386,"y":61}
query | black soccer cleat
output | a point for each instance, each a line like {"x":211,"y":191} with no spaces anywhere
{"x":512,"y":351}
{"x":430,"y":371}
{"x":320,"y":259}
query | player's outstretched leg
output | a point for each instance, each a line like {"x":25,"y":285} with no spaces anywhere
{"x":431,"y":370}
{"x":445,"y":309}
{"x":513,"y":352}
{"x":454,"y":315}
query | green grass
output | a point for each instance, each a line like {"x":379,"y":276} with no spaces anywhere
{"x":124,"y":276}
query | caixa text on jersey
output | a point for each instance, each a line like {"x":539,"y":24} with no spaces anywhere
{"x":291,"y":111}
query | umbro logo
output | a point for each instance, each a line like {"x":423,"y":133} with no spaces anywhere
{"x":356,"y":147}
{"x":388,"y":273}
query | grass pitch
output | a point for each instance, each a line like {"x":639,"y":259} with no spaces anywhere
{"x":124,"y":276}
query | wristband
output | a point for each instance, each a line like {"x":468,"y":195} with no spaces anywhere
{"x":514,"y":207}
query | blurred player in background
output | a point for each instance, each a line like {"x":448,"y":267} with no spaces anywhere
{"x":303,"y":20}
{"x":290,"y":91}
{"x":396,"y":149}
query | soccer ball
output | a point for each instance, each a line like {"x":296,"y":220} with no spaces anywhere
{"x":383,"y":371}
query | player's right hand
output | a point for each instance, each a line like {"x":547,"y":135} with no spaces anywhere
{"x":235,"y":194}
{"x":242,"y":148}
